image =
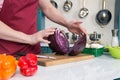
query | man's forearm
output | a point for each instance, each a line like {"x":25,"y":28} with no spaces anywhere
{"x":52,"y":13}
{"x":7,"y":33}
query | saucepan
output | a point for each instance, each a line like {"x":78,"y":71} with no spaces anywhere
{"x":104,"y":16}
{"x":83,"y":11}
{"x":67,"y":5}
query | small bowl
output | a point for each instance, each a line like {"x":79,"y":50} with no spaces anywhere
{"x":115,"y":52}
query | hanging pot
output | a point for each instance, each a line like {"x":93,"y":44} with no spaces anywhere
{"x":54,"y":3}
{"x":83,"y":11}
{"x":67,"y":5}
{"x":104,"y":16}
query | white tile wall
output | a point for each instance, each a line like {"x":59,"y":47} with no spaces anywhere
{"x":89,"y":22}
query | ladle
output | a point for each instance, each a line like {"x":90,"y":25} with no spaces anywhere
{"x":83,"y":11}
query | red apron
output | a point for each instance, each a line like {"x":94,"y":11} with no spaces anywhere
{"x":20,"y":15}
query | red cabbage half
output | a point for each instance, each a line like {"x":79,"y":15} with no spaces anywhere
{"x":60,"y":44}
{"x":79,"y":45}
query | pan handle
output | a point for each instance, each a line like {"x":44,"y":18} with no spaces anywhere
{"x":103,"y":4}
{"x":83,"y":2}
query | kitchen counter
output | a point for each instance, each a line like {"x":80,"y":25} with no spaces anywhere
{"x":100,"y":68}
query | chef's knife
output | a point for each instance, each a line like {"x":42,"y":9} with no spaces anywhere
{"x":18,"y":54}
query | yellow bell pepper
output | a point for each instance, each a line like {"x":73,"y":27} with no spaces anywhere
{"x":8,"y":66}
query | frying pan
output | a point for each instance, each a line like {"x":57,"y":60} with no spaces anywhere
{"x":54,"y":3}
{"x":67,"y":5}
{"x":83,"y":11}
{"x":104,"y":16}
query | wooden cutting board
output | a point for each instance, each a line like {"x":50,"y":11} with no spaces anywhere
{"x":62,"y":59}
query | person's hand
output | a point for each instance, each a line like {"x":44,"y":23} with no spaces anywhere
{"x":75,"y":27}
{"x":42,"y":35}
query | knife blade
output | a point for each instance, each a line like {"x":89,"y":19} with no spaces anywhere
{"x":46,"y":57}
